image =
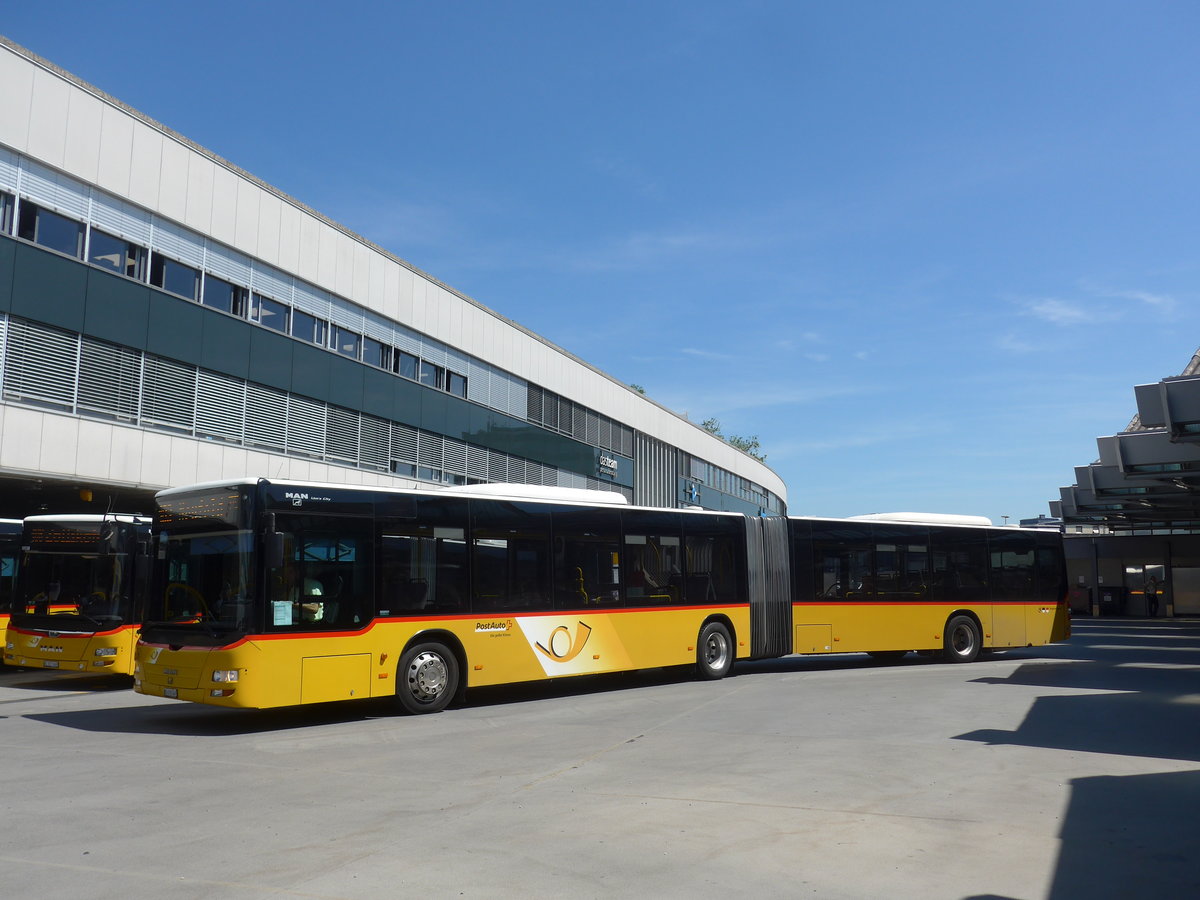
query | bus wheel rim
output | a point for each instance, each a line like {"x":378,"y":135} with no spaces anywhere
{"x":715,"y":650}
{"x":427,"y":677}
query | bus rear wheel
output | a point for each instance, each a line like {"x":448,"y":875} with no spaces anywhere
{"x":962,"y":642}
{"x":426,"y":678}
{"x":714,"y":652}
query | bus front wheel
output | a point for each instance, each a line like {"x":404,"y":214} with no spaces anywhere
{"x":427,"y":678}
{"x":962,"y":642}
{"x":714,"y":652}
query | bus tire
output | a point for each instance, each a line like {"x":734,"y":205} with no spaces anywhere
{"x":962,"y":642}
{"x":714,"y":652}
{"x":426,"y":678}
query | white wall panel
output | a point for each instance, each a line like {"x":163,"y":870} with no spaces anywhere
{"x":82,"y":157}
{"x":21,"y":447}
{"x":308,"y":260}
{"x":329,"y":245}
{"x":343,"y":280}
{"x":360,"y":287}
{"x":271,"y":232}
{"x":16,"y":74}
{"x":126,"y":457}
{"x":377,"y":280}
{"x":173,"y":181}
{"x":182,"y":467}
{"x":224,"y":205}
{"x":116,"y":150}
{"x":145,"y":166}
{"x":93,"y":449}
{"x":60,"y":437}
{"x":245,"y":230}
{"x":48,"y":118}
{"x":201,"y":174}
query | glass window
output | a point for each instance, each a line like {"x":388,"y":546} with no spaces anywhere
{"x":424,"y":563}
{"x":587,"y":558}
{"x":843,"y":561}
{"x":308,"y":328}
{"x":345,"y":341}
{"x":510,"y":556}
{"x":174,"y":276}
{"x":224,"y":296}
{"x":376,"y":353}
{"x":325,"y":582}
{"x":431,"y":375}
{"x":456,"y":384}
{"x":51,"y":230}
{"x":714,"y":559}
{"x":653,"y":562}
{"x":406,"y":365}
{"x":958,"y":565}
{"x":117,"y":254}
{"x":6,"y":210}
{"x":271,"y":313}
{"x":1012,"y":568}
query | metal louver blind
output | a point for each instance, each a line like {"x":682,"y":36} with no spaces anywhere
{"x":305,"y":426}
{"x":271,"y":283}
{"x":110,"y":380}
{"x":266,"y":418}
{"x":477,"y":462}
{"x":120,"y":218}
{"x":220,"y":407}
{"x":178,"y":243}
{"x":497,"y":466}
{"x":168,"y":394}
{"x":228,"y":264}
{"x":429,"y":450}
{"x":48,"y":188}
{"x":8,"y":170}
{"x":404,"y":443}
{"x":456,"y":456}
{"x":341,"y":435}
{"x":373,"y":443}
{"x":40,"y":364}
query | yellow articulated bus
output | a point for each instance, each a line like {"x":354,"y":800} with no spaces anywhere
{"x":275,"y":594}
{"x":10,"y":553}
{"x":80,"y":593}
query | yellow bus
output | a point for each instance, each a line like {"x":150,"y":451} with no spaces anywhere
{"x":274,"y":593}
{"x":10,"y":553}
{"x":80,"y":593}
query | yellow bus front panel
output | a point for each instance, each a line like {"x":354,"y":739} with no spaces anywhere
{"x":106,"y":652}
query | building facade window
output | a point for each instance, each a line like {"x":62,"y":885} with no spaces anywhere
{"x":174,"y":277}
{"x":50,"y":230}
{"x":456,"y":384}
{"x":308,"y":328}
{"x":271,"y":313}
{"x":111,"y":252}
{"x":224,"y":296}
{"x":346,"y":342}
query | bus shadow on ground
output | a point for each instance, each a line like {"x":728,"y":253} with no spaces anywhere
{"x":40,"y":680}
{"x":1132,"y":835}
{"x":194,"y":720}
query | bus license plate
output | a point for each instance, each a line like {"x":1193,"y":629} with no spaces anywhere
{"x":171,"y":693}
{"x":51,"y":664}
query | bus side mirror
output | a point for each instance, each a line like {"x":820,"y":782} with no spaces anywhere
{"x":275,"y":549}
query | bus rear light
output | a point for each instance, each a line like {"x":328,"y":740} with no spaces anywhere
{"x":225,"y":676}
{"x":217,"y":692}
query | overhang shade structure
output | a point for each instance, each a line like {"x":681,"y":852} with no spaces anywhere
{"x":1148,"y":476}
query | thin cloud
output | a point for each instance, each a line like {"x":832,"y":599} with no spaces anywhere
{"x":1059,"y":312}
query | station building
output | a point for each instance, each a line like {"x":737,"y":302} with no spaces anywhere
{"x":1132,"y":518}
{"x":167,"y":318}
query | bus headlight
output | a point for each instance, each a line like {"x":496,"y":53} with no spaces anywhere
{"x":106,"y":651}
{"x":225,"y":676}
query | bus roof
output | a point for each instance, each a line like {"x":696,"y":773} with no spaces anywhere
{"x":92,"y":518}
{"x":917,"y":518}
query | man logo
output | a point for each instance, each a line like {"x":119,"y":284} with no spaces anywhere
{"x":563,"y":646}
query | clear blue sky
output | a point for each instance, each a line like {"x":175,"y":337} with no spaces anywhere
{"x":922,"y":250}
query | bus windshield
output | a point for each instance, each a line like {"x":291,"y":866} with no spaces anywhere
{"x":73,"y":584}
{"x":208,"y":579}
